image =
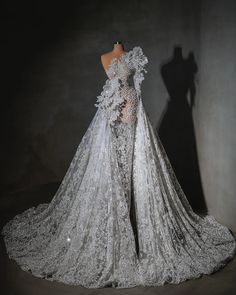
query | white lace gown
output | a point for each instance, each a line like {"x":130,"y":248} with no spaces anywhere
{"x":85,"y":235}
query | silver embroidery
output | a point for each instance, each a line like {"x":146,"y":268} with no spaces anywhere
{"x":84,"y":236}
{"x":119,"y":99}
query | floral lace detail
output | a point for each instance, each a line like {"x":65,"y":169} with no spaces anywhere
{"x":128,"y":110}
{"x":117,"y":89}
{"x":123,"y":139}
{"x":139,"y":60}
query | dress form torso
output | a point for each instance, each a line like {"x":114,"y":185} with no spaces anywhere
{"x":106,"y":58}
{"x":128,"y":107}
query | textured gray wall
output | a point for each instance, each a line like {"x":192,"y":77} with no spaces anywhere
{"x":53,"y":74}
{"x":216,"y":108}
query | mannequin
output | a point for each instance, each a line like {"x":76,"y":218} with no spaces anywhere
{"x":127,"y":104}
{"x":118,"y":49}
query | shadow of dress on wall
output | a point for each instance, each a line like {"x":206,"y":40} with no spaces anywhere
{"x":176,"y":128}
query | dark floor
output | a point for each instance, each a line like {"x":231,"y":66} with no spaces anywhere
{"x":15,"y":281}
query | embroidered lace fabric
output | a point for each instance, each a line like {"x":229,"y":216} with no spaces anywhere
{"x":85,"y":236}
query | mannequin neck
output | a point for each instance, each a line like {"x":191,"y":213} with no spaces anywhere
{"x":117,"y":48}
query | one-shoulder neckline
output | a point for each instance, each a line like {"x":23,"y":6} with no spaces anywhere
{"x":118,"y":59}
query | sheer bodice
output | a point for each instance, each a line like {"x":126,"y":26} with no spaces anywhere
{"x":118,"y":68}
{"x":121,"y":92}
{"x":121,"y":73}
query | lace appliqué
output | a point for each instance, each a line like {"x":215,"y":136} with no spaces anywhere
{"x":118,"y":100}
{"x":123,"y":142}
{"x":128,"y":109}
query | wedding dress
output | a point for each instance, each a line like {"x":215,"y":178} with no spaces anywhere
{"x":85,"y":235}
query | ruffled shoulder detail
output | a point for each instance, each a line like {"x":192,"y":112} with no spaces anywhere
{"x":139,"y":60}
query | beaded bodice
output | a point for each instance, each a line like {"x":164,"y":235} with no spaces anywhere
{"x":121,"y":73}
{"x":120,"y":69}
{"x":121,"y":92}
